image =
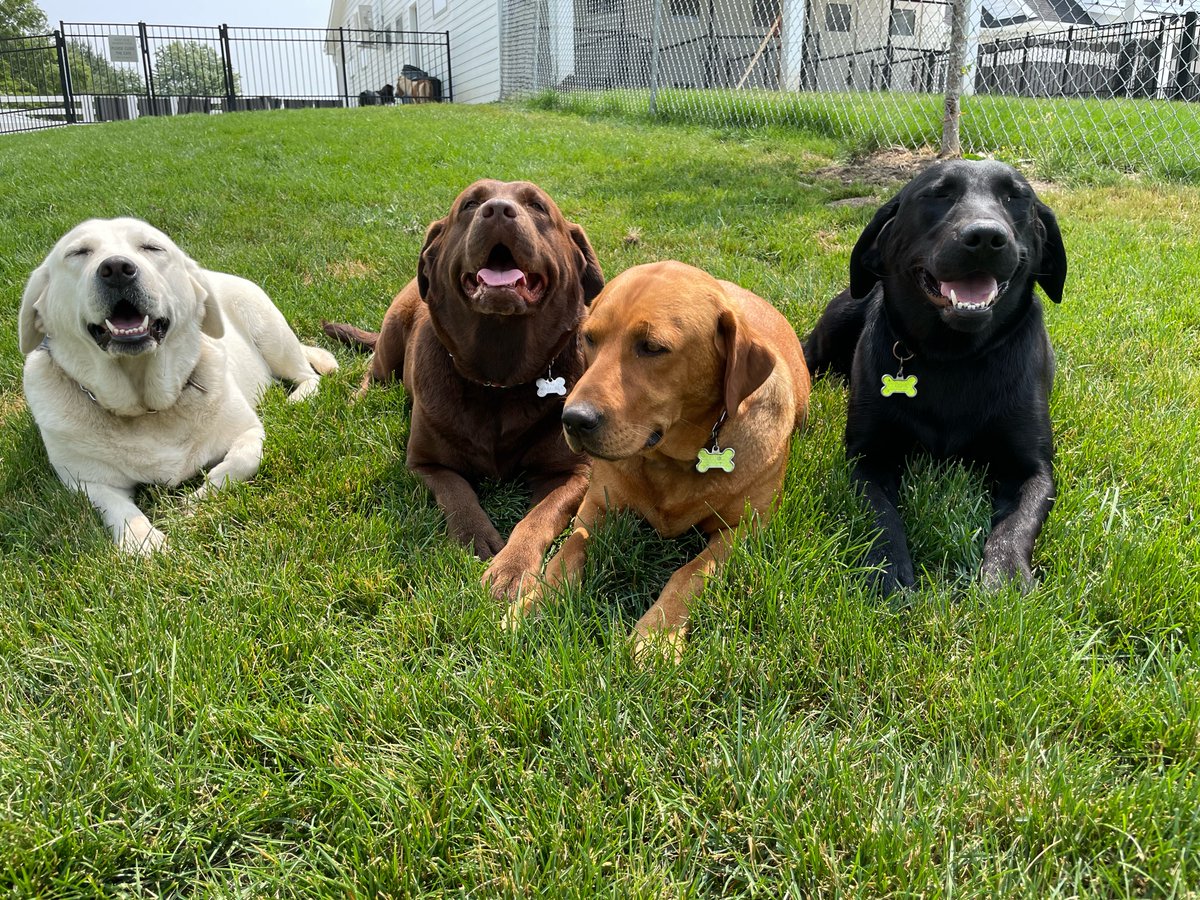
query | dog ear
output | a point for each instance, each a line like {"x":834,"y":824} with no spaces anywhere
{"x":29,"y":322}
{"x":866,"y":259}
{"x":212,"y":324}
{"x":590,"y":275}
{"x":1051,"y":271}
{"x":747,"y":362}
{"x":429,"y":254}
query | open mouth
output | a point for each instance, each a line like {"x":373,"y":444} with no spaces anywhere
{"x":502,"y":274}
{"x":126,"y":329}
{"x":976,"y":292}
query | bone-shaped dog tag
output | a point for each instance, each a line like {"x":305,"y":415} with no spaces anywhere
{"x":906,"y":386}
{"x":707,"y":459}
{"x":548,"y":386}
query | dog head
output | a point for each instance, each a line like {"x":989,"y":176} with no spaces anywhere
{"x":667,"y":351}
{"x":964,"y":241}
{"x":506,"y":278}
{"x":115,"y":287}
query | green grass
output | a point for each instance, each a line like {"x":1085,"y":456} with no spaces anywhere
{"x":1082,"y":141}
{"x":310,"y":695}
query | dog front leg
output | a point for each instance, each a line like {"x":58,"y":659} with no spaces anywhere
{"x":554,"y":499}
{"x":566,"y":566}
{"x":240,"y":463}
{"x":888,"y":554}
{"x":664,"y":626}
{"x":465,"y":518}
{"x":1021,"y":508}
{"x":131,"y":529}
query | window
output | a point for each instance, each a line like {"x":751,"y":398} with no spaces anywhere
{"x":765,"y":12}
{"x":904,"y":23}
{"x":684,"y":9}
{"x":837,"y":17}
{"x":439,"y":7}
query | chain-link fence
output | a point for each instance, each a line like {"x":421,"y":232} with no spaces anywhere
{"x":1061,"y":82}
{"x":87,"y":72}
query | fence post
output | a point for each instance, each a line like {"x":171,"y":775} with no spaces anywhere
{"x":227,"y":63}
{"x":951,"y":118}
{"x":1066,"y":69}
{"x":144,"y":42}
{"x":655,"y":28}
{"x":64,"y":77}
{"x":1185,"y":82}
{"x":537,"y":42}
{"x":345,"y":81}
{"x":449,"y":72}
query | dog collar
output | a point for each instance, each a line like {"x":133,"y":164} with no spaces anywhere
{"x":713,"y":457}
{"x":191,"y":380}
{"x":549,"y":386}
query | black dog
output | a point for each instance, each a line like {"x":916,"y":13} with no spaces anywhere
{"x":943,"y":341}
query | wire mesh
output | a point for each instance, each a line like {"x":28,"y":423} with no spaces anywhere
{"x":1048,"y":80}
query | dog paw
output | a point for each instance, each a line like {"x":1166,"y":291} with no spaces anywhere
{"x":519,"y":611}
{"x":140,"y":539}
{"x":304,"y":389}
{"x":509,"y":572}
{"x":485,"y":544}
{"x":997,"y":573}
{"x":655,"y":647}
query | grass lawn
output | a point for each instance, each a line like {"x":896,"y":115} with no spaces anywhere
{"x":1076,"y":140}
{"x":310,"y":695}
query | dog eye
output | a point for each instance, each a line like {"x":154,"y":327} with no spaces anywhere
{"x":154,"y":248}
{"x":538,"y":206}
{"x":589,"y":341}
{"x":79,"y":251}
{"x":470,"y":204}
{"x":649,"y":348}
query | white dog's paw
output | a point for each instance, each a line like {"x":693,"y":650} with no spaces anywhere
{"x":140,"y":538}
{"x":304,"y":389}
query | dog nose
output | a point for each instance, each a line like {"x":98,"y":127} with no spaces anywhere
{"x":985,"y":235}
{"x":582,"y":418}
{"x":498,"y":205}
{"x":117,"y":271}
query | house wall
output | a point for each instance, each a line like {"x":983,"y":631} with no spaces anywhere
{"x":863,"y":57}
{"x":474,"y":46}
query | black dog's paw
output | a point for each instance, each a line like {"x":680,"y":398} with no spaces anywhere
{"x":1000,"y":570}
{"x":889,"y":580}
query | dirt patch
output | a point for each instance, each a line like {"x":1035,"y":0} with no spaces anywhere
{"x":884,"y":168}
{"x":343,"y":270}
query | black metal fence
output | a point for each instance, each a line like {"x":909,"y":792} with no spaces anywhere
{"x":1151,"y":59}
{"x":91,"y":72}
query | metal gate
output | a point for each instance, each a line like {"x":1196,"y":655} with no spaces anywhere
{"x":33,"y":83}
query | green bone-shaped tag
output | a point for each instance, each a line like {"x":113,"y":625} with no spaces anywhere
{"x":722,"y":459}
{"x":906,"y":386}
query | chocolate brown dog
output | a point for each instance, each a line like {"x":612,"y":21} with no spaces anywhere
{"x":692,"y":390}
{"x":484,"y":339}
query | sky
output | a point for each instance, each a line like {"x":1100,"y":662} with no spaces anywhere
{"x":279,"y":13}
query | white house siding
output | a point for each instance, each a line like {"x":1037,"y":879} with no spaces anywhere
{"x":474,"y":45}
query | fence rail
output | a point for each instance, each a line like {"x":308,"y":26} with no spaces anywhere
{"x":95,"y":72}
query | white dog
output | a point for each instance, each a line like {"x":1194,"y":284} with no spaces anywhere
{"x":143,"y":368}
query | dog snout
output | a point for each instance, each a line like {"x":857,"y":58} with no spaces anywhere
{"x":985,"y":236}
{"x":498,"y":206}
{"x":117,"y":271}
{"x":582,"y":418}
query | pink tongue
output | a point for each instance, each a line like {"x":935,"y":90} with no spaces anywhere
{"x":126,"y":322}
{"x":974,"y":290}
{"x":492,"y":278}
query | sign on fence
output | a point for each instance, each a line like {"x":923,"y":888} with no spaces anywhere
{"x":123,"y":48}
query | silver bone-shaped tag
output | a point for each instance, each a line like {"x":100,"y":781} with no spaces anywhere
{"x":548,"y":386}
